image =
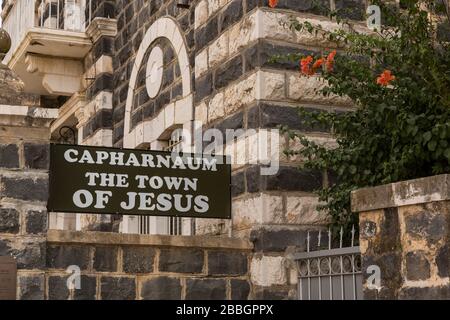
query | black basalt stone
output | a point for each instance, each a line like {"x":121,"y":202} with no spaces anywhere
{"x":417,"y":266}
{"x":161,"y":288}
{"x":9,"y":156}
{"x":9,"y":221}
{"x":210,"y":289}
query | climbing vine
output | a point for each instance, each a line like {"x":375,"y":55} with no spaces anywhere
{"x":398,"y":79}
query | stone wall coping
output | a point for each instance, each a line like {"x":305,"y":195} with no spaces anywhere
{"x":410,"y":192}
{"x":121,"y":239}
{"x":101,"y":26}
{"x":25,"y":111}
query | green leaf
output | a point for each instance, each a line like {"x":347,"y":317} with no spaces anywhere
{"x":447,"y":153}
{"x":432,"y":145}
{"x":427,"y":136}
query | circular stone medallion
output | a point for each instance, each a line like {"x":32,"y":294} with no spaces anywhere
{"x":154,"y":72}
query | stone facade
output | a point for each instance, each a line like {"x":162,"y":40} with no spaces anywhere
{"x":151,"y":67}
{"x":224,"y":47}
{"x":405,"y":230}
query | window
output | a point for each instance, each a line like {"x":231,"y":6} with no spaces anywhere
{"x":172,"y":225}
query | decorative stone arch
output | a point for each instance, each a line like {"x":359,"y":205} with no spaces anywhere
{"x":175,"y":114}
{"x":171,"y":116}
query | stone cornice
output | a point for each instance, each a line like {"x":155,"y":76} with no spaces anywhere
{"x":404,"y":193}
{"x":8,"y":4}
{"x":100,"y":27}
{"x":56,"y":236}
{"x":73,"y":106}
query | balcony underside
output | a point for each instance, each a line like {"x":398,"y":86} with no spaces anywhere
{"x":50,"y":61}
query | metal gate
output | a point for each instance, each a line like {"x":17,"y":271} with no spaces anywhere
{"x":331,"y":273}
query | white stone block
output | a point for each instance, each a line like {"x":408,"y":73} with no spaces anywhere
{"x":303,"y":210}
{"x":305,"y":89}
{"x":270,"y":86}
{"x":201,"y":113}
{"x":216,"y":108}
{"x":240,"y":94}
{"x":169,"y":115}
{"x":214,"y":5}
{"x":266,"y":271}
{"x":218,"y":50}
{"x":201,"y":63}
{"x":201,"y":13}
{"x":183,"y":110}
{"x":243,"y":33}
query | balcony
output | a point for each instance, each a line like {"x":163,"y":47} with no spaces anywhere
{"x":48,"y":43}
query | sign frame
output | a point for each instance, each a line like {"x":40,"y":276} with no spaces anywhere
{"x":53,"y":194}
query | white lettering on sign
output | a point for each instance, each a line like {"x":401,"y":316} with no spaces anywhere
{"x":154,"y":196}
{"x":143,"y":160}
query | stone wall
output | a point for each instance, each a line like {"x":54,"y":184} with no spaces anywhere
{"x":128,"y":267}
{"x":218,"y":70}
{"x":405,"y":230}
{"x":24,"y":160}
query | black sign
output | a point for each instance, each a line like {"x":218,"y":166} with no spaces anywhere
{"x":8,"y":278}
{"x":137,"y":182}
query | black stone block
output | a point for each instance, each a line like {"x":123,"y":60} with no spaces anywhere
{"x":417,"y":266}
{"x":31,"y":287}
{"x":118,"y":288}
{"x":319,"y":7}
{"x":229,"y":72}
{"x":351,"y":9}
{"x":203,"y":87}
{"x":105,"y":259}
{"x":161,"y":288}
{"x":237,"y":184}
{"x":103,"y":47}
{"x":240,"y":289}
{"x":232,"y":14}
{"x":37,"y":156}
{"x":181,"y":260}
{"x":425,"y":225}
{"x":63,"y":256}
{"x":161,"y":101}
{"x":234,"y":122}
{"x":9,"y":221}
{"x":278,"y":240}
{"x":36,"y":222}
{"x":57,"y":288}
{"x":391,"y":276}
{"x":88,"y":289}
{"x":251,"y":4}
{"x":206,"y":34}
{"x":294,"y":179}
{"x":31,"y":255}
{"x":227,"y":263}
{"x":9,"y":156}
{"x":253,"y":177}
{"x":138,"y":259}
{"x":425,"y":293}
{"x":443,"y":261}
{"x":25,"y":189}
{"x":210,"y":289}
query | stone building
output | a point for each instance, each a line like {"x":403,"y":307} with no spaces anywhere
{"x":128,"y":73}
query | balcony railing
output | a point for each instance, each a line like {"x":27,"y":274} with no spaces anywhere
{"x":23,"y":15}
